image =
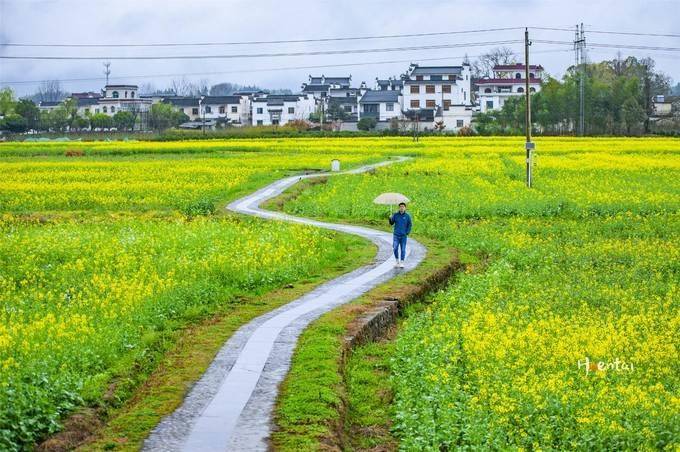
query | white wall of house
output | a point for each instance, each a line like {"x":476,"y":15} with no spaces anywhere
{"x":456,"y":117}
{"x":237,"y":113}
{"x":283,"y":111}
{"x":120,"y":91}
{"x":493,"y":96}
{"x":452,"y":93}
{"x":506,"y":83}
{"x":386,"y":110}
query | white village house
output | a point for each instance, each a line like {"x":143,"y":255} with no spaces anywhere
{"x":430,"y":95}
{"x":438,"y":93}
{"x":381,"y":105}
{"x":279,"y":109}
{"x":114,"y":98}
{"x":507,"y":81}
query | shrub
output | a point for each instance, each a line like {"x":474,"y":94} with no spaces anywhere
{"x":366,"y":124}
{"x":466,"y":131}
{"x":201,"y":207}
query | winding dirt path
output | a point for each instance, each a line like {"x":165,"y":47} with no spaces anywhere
{"x":231,"y":406}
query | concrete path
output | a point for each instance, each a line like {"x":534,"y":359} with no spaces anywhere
{"x":231,"y":406}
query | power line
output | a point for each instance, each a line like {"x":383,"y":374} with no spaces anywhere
{"x":283,"y":41}
{"x":611,"y":32}
{"x":331,"y":52}
{"x":613,"y":46}
{"x":262,"y":55}
{"x":634,"y":33}
{"x":332,"y":39}
{"x":242,"y":71}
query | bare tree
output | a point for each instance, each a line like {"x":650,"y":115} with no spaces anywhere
{"x":181,"y":87}
{"x":483,"y":66}
{"x":147,"y":88}
{"x":50,"y":91}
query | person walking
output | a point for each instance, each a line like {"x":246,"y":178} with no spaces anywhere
{"x":402,"y":228}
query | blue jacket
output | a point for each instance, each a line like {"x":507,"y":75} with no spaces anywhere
{"x":402,"y":223}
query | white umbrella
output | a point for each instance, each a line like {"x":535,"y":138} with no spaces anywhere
{"x":391,"y":199}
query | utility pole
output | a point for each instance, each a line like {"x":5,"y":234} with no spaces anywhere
{"x":323,"y":109}
{"x":580,"y":66}
{"x":107,"y":70}
{"x":529,"y":146}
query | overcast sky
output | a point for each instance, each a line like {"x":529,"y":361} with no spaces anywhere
{"x":192,"y":21}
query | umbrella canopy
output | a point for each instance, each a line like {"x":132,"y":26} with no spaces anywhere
{"x":391,"y":198}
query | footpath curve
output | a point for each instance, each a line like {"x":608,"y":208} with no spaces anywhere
{"x":231,"y":406}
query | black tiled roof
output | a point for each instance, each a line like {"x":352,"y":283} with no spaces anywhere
{"x":222,"y":100}
{"x":380,"y":96}
{"x":437,"y":70}
{"x":181,"y":101}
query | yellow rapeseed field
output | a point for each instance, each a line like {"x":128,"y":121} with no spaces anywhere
{"x":565,"y":335}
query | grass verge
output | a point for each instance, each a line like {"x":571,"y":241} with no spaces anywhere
{"x":317,"y":409}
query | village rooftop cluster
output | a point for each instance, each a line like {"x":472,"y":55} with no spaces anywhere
{"x":441,"y":97}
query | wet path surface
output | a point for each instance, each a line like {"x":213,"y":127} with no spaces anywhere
{"x":231,"y":406}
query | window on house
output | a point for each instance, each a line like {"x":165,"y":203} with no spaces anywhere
{"x":105,"y":110}
{"x":96,"y":110}
{"x":415,"y":103}
{"x":389,"y":107}
{"x":489,"y":104}
{"x":518,"y":75}
{"x":259,"y":122}
{"x":113,"y":109}
{"x":447,"y":104}
{"x":275,"y":122}
{"x":531,"y":75}
{"x":115,"y":94}
{"x":126,"y":94}
{"x":419,"y":77}
{"x":348,"y":108}
{"x":259,"y":110}
{"x":234,"y":109}
{"x":430,"y":103}
{"x":487,"y":90}
{"x":194,"y":111}
{"x":446,"y":88}
{"x":221,"y":109}
{"x":429,"y":89}
{"x":132,"y":94}
{"x":520,"y":90}
{"x":532,"y":90}
{"x":291,"y":110}
{"x":208,"y":109}
{"x":459,"y":123}
{"x":415,"y":89}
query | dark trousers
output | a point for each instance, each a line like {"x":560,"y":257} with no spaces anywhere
{"x":399,"y":241}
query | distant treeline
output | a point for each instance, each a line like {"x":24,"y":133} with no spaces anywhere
{"x":618,"y":101}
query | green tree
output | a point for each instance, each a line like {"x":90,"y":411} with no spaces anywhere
{"x":124,"y":120}
{"x":7,"y":101}
{"x":163,"y":116}
{"x":80,"y":123}
{"x":366,"y":124}
{"x":58,"y":119}
{"x":101,"y":121}
{"x":336,"y":111}
{"x":14,"y":123}
{"x":70,"y":104}
{"x":633,"y":114}
{"x":29,"y":111}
